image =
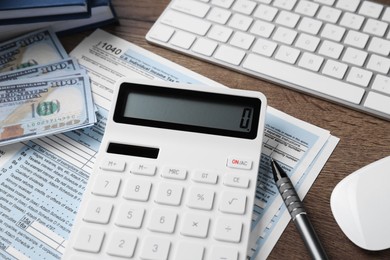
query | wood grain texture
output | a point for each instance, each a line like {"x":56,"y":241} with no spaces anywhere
{"x":363,"y":138}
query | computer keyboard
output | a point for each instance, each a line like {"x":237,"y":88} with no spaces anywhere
{"x":333,"y":49}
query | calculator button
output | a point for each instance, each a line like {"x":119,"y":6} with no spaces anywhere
{"x":224,"y":253}
{"x":122,"y":244}
{"x":137,"y":189}
{"x":239,"y":163}
{"x":106,"y":185}
{"x":98,"y":212}
{"x":162,"y":221}
{"x":113,"y":165}
{"x":189,"y":251}
{"x":200,"y":198}
{"x":209,"y":177}
{"x":143,"y":169}
{"x":174,"y":173}
{"x":236,"y":180}
{"x":169,"y":194}
{"x":232,"y":202}
{"x":195,"y":225}
{"x":155,"y":248}
{"x":130,"y":216}
{"x":89,"y":240}
{"x":228,"y":229}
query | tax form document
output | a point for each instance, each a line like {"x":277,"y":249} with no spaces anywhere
{"x":41,"y":190}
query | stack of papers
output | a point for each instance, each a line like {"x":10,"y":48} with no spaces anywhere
{"x":44,"y":179}
{"x":42,"y":90}
{"x":22,"y":16}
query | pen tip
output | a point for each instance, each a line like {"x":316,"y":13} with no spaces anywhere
{"x":277,"y":171}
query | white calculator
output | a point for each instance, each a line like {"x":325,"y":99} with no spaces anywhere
{"x":175,"y":176}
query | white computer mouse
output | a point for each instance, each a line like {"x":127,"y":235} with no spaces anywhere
{"x":360,"y":204}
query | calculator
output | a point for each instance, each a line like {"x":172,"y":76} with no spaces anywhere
{"x":175,"y":176}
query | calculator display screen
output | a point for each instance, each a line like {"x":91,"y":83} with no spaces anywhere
{"x":188,"y":110}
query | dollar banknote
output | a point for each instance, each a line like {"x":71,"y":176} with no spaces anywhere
{"x":54,"y":69}
{"x":39,"y":47}
{"x":33,"y":108}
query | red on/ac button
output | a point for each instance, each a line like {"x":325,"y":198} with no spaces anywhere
{"x":239,"y":163}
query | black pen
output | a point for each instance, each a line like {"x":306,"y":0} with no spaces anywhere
{"x":297,"y":212}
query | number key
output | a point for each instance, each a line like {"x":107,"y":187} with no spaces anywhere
{"x":89,"y":240}
{"x":155,"y":248}
{"x":98,"y":212}
{"x":106,"y":185}
{"x":122,"y":244}
{"x":130,"y":216}
{"x":137,"y":189}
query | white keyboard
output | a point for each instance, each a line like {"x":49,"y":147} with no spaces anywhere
{"x":334,"y":49}
{"x":172,"y":191}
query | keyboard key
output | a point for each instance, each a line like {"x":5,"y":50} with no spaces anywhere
{"x":137,"y":189}
{"x":98,"y":212}
{"x":130,"y":216}
{"x":205,"y":176}
{"x":224,"y":253}
{"x":285,"y":4}
{"x":113,"y":165}
{"x":348,"y":5}
{"x":228,"y":229}
{"x":191,"y":7}
{"x":359,"y":76}
{"x":195,"y":225}
{"x":379,"y":46}
{"x":307,"y":42}
{"x":229,"y":54}
{"x":185,"y":22}
{"x":183,"y":40}
{"x":189,"y":251}
{"x":310,"y":25}
{"x":143,"y":169}
{"x":354,"y":56}
{"x":161,"y":32}
{"x":284,"y":35}
{"x":379,"y":63}
{"x":240,"y":22}
{"x":287,"y":19}
{"x":378,"y":102}
{"x":219,"y":15}
{"x":169,"y":194}
{"x":310,"y":61}
{"x":331,"y":49}
{"x":220,"y":33}
{"x":200,"y":198}
{"x":106,"y":185}
{"x":375,"y":27}
{"x":236,"y":180}
{"x":370,"y":9}
{"x":333,"y":32}
{"x":329,"y":14}
{"x":242,"y":40}
{"x":244,"y":6}
{"x":264,"y":47}
{"x":335,"y":69}
{"x":175,"y":173}
{"x":162,"y":220}
{"x":287,"y":54}
{"x":89,"y":240}
{"x":352,"y":21}
{"x":382,"y":84}
{"x":262,"y":28}
{"x":307,"y":79}
{"x":306,"y":8}
{"x":232,"y":202}
{"x":265,"y":12}
{"x":155,"y":248}
{"x":222,"y":3}
{"x":356,"y":39}
{"x":204,"y":46}
{"x":122,"y":244}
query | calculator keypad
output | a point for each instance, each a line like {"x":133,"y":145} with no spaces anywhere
{"x":155,"y":200}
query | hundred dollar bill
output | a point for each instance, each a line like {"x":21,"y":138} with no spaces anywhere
{"x":33,"y":108}
{"x":39,"y":47}
{"x":54,"y":69}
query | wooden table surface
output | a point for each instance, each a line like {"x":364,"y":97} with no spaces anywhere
{"x":363,"y":138}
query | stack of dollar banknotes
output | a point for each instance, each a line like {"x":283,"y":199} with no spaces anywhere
{"x":42,"y":90}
